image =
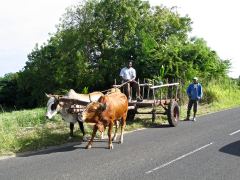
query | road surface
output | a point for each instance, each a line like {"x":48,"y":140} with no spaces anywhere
{"x":208,"y":149}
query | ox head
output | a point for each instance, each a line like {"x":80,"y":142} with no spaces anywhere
{"x":53,"y":105}
{"x":93,"y":111}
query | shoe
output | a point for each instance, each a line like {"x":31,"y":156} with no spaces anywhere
{"x":194,"y":119}
{"x":186,"y":119}
{"x":139,"y":99}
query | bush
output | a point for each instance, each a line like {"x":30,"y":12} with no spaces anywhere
{"x":210,"y":96}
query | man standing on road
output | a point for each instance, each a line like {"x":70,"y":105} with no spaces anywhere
{"x":128,"y":75}
{"x":194,"y":92}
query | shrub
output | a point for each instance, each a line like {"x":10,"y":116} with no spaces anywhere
{"x":210,"y":96}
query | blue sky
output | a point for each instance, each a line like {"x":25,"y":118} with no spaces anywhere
{"x":27,"y":22}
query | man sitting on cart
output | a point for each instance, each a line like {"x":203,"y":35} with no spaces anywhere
{"x":128,"y":75}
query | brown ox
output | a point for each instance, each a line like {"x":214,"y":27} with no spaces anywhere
{"x":105,"y":112}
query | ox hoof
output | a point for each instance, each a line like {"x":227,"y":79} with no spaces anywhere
{"x":110,"y":146}
{"x":120,"y":142}
{"x":88,"y":147}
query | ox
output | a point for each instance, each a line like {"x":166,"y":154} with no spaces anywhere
{"x":59,"y":104}
{"x":106,"y":112}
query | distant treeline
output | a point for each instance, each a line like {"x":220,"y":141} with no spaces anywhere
{"x":96,"y":38}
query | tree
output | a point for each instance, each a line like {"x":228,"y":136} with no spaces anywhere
{"x":8,"y":89}
{"x":96,"y":38}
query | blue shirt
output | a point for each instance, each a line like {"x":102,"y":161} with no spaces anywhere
{"x":194,"y":91}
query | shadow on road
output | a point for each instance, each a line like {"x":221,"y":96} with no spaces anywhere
{"x":50,"y":150}
{"x":161,"y":126}
{"x":147,"y":123}
{"x":98,"y":144}
{"x":233,"y":148}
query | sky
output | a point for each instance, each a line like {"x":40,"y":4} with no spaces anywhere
{"x":27,"y":22}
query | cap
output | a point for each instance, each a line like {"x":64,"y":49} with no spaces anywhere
{"x":195,"y":78}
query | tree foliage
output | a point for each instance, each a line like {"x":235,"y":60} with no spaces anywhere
{"x":95,"y":39}
{"x":8,"y":89}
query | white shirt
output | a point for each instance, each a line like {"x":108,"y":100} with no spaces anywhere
{"x":128,"y":73}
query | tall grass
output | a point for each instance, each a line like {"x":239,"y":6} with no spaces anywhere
{"x":217,"y":95}
{"x":28,"y":130}
{"x":222,"y":94}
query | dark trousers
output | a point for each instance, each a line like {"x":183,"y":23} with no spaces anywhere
{"x":133,"y":84}
{"x":191,"y":103}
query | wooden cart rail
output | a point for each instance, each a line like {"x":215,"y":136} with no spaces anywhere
{"x":149,"y":103}
{"x":164,"y":85}
{"x":153,"y":98}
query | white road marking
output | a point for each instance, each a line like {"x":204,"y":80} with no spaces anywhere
{"x":235,"y":132}
{"x":140,"y":129}
{"x":181,"y":157}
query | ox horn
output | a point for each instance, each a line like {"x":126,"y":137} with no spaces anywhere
{"x":102,"y":106}
{"x":48,"y":95}
{"x":53,"y":95}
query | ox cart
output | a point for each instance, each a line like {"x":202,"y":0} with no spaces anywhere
{"x":161,"y":99}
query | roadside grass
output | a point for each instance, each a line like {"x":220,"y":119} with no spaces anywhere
{"x":218,"y":97}
{"x":28,"y":130}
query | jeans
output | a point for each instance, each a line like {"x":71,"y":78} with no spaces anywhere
{"x":191,"y":103}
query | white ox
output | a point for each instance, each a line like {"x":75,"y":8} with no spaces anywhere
{"x":58,"y":104}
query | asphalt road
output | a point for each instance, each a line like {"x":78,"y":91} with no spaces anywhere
{"x":208,"y":149}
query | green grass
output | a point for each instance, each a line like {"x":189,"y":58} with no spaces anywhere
{"x":216,"y":96}
{"x":28,"y":130}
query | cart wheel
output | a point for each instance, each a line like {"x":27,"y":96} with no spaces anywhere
{"x":131,"y":114}
{"x":173,"y":113}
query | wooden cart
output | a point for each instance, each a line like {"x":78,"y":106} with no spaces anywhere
{"x":162,"y":99}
